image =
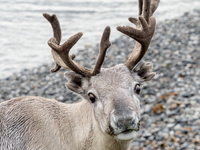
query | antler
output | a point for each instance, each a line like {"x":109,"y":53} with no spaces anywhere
{"x":61,"y":53}
{"x":56,"y":31}
{"x":144,"y":31}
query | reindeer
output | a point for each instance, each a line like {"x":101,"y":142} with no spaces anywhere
{"x":109,"y":116}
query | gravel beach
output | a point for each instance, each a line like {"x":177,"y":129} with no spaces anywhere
{"x":170,"y":103}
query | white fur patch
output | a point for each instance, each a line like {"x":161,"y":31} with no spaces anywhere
{"x":127,"y":136}
{"x":137,"y":101}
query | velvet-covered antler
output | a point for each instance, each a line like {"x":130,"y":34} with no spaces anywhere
{"x":56,"y":33}
{"x":144,"y":31}
{"x":61,"y":53}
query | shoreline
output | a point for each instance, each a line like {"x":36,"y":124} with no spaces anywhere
{"x":170,"y":114}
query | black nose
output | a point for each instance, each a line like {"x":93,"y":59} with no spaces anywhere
{"x":125,"y":122}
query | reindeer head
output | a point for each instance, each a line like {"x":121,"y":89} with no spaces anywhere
{"x":112,"y":92}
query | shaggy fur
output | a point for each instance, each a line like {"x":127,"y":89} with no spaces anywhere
{"x":45,"y":124}
{"x":108,"y":117}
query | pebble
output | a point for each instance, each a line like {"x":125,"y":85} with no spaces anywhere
{"x":170,"y":103}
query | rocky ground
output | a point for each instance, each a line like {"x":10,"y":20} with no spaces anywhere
{"x":170,"y":103}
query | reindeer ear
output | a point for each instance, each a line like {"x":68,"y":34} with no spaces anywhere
{"x":144,"y":71}
{"x":75,"y":82}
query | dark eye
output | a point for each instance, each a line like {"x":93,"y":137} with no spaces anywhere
{"x":137,"y":89}
{"x":92,"y":97}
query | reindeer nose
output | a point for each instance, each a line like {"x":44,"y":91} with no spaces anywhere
{"x":124,"y":122}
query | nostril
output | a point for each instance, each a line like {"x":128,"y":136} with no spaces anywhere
{"x":124,"y":121}
{"x":138,"y":124}
{"x":119,"y":125}
{"x":133,"y":122}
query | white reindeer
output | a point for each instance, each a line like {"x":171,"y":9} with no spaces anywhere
{"x":109,"y":116}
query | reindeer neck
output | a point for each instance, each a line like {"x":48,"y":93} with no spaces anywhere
{"x":79,"y":117}
{"x":75,"y":122}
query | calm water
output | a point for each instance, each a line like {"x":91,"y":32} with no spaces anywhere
{"x":24,"y":32}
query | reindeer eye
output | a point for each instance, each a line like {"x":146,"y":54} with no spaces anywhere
{"x":137,"y":88}
{"x":92,"y":97}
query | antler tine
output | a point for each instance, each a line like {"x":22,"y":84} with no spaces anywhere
{"x":154,"y":6}
{"x":143,"y":33}
{"x":53,"y":20}
{"x":147,"y":10}
{"x":140,"y":4}
{"x":61,"y":55}
{"x":104,"y":45}
{"x":149,"y":5}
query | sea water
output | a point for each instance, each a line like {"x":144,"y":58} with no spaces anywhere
{"x":24,"y":32}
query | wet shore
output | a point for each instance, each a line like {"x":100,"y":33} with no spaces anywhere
{"x":170,"y":103}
